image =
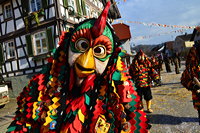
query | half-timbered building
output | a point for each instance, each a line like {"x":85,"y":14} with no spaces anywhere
{"x":30,"y":30}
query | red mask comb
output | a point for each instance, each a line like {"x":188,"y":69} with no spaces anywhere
{"x":100,"y":23}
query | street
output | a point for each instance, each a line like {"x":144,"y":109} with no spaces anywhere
{"x":6,"y":114}
{"x":172,"y":105}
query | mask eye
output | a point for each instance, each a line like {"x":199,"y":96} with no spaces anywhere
{"x":82,"y":44}
{"x":99,"y":51}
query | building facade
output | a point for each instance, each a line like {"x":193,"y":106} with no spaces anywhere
{"x":30,"y":30}
{"x":182,"y":44}
{"x":123,"y":32}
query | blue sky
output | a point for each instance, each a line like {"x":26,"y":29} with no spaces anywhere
{"x":169,"y":12}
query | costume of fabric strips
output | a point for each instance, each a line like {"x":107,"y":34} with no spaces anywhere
{"x":142,"y":71}
{"x":192,"y":71}
{"x":85,"y":87}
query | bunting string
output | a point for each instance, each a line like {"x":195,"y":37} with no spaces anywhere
{"x":156,"y":24}
{"x":164,"y":33}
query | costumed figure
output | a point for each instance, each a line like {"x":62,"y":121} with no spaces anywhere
{"x":191,"y":76}
{"x":176,"y":58}
{"x":85,"y":87}
{"x":156,"y":66}
{"x":160,"y":60}
{"x":142,"y":73}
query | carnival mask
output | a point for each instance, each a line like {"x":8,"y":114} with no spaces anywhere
{"x":91,"y":46}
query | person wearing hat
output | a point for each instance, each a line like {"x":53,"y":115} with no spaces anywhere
{"x":191,"y":76}
{"x":142,"y":74}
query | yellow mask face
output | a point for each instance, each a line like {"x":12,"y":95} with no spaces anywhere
{"x":85,"y":64}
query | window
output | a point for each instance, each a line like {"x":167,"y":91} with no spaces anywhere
{"x":40,"y":43}
{"x":87,"y":10}
{"x":35,"y":5}
{"x":72,"y":3}
{"x":10,"y":49}
{"x":7,"y":10}
{"x":94,"y":14}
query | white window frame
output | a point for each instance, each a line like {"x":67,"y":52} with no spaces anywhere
{"x":87,"y":8}
{"x":73,"y":4}
{"x":8,"y":12}
{"x":35,"y":5}
{"x":41,"y":47}
{"x":10,"y":49}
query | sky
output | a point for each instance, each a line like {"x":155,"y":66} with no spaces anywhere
{"x":169,"y":12}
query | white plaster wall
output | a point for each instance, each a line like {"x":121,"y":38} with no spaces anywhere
{"x":3,"y":28}
{"x":17,"y":13}
{"x":23,"y":39}
{"x":8,"y":68}
{"x":14,"y":3}
{"x":17,"y":41}
{"x":14,"y":65}
{"x":19,"y":73}
{"x":20,"y":52}
{"x":31,"y":62}
{"x":10,"y":26}
{"x":29,"y":71}
{"x":51,"y":12}
{"x":23,"y":64}
{"x":20,"y":24}
{"x":11,"y":74}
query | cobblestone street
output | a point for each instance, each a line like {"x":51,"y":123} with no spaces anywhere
{"x":6,"y":114}
{"x":173,"y":108}
{"x":172,"y":105}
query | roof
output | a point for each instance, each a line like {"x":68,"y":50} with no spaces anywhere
{"x":185,"y":37}
{"x":122,"y":31}
{"x":169,"y":44}
{"x":195,"y":31}
{"x":113,"y":11}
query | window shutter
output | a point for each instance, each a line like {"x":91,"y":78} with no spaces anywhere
{"x":50,"y":39}
{"x":65,"y":3}
{"x":29,"y":45}
{"x":83,"y":7}
{"x":25,"y":7}
{"x":1,"y":54}
{"x":78,"y":7}
{"x":44,"y":3}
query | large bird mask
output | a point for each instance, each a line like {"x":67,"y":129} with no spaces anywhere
{"x":91,"y":46}
{"x":85,"y":87}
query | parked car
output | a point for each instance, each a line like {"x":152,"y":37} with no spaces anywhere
{"x":4,"y":97}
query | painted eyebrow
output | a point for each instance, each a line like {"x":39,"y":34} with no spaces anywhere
{"x":104,"y":40}
{"x":84,"y":33}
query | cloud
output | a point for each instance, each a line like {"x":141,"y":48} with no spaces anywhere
{"x":170,"y":12}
